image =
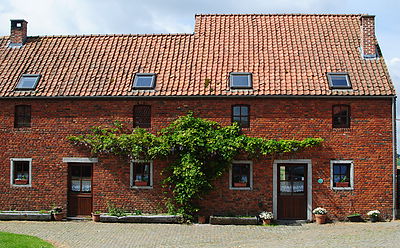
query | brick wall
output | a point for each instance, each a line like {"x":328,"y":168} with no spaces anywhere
{"x":368,"y":143}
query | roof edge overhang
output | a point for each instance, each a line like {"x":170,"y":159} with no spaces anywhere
{"x":193,"y":97}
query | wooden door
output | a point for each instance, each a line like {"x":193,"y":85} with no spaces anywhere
{"x":292,"y":191}
{"x":80,"y":189}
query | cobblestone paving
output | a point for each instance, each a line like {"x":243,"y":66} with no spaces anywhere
{"x":90,"y":234}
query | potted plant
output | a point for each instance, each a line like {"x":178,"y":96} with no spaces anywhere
{"x":21,"y":180}
{"x":266,"y":217}
{"x":354,"y":217}
{"x":57,"y":213}
{"x":96,"y":216}
{"x":344,"y":183}
{"x":320,"y":215}
{"x":374,"y":215}
{"x":201,"y":219}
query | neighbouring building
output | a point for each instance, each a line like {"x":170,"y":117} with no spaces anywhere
{"x":284,"y":76}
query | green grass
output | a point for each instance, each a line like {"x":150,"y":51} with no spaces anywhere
{"x":11,"y":240}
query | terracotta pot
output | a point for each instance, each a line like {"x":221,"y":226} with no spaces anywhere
{"x":320,"y":218}
{"x":201,"y":219}
{"x":140,"y":183}
{"x":58,"y":216}
{"x":343,"y":184}
{"x":240,"y":185}
{"x":21,"y":181}
{"x":96,"y":217}
{"x":266,"y":222}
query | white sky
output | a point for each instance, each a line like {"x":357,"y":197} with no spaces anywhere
{"x":51,"y":17}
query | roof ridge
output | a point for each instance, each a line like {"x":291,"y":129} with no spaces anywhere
{"x":102,"y":35}
{"x":280,"y":14}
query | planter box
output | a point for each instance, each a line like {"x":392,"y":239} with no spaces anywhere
{"x":25,"y":215}
{"x":21,"y":181}
{"x":140,"y":183}
{"x":169,"y":219}
{"x":216,"y":220}
{"x":240,"y":185}
{"x":342,"y":184}
{"x":356,"y":218}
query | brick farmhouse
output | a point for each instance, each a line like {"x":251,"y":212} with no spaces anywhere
{"x":285,"y":76}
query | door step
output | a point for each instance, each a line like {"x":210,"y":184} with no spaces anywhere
{"x":291,"y":222}
{"x":80,"y":218}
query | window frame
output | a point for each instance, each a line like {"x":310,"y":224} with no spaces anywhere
{"x":330,"y":74}
{"x":348,"y":117}
{"x":334,"y":162}
{"x":131,"y":179}
{"x":38,"y":76}
{"x":16,"y":118}
{"x":135,"y":125}
{"x":249,"y":76}
{"x":250,"y":176}
{"x":152,"y":85}
{"x":12,"y":160}
{"x":248,"y":114}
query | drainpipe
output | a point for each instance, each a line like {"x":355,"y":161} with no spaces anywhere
{"x":394,"y":156}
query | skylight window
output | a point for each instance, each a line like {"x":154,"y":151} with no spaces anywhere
{"x":144,"y":81}
{"x":28,"y":82}
{"x":339,"y":80}
{"x":240,"y":80}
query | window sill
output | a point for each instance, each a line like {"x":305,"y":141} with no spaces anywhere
{"x":343,"y":188}
{"x":240,"y":188}
{"x":21,"y":185}
{"x":141,"y":187}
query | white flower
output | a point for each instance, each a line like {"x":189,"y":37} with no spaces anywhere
{"x":266,"y":215}
{"x":320,"y":210}
{"x":374,"y":213}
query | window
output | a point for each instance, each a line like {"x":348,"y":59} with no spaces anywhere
{"x":22,"y":116}
{"x":240,"y":80}
{"x":241,"y":175}
{"x":141,"y":174}
{"x":341,"y":116}
{"x":241,"y":115}
{"x":342,"y":174}
{"x":28,"y":82}
{"x":144,"y":81}
{"x":339,"y":80}
{"x":81,"y":178}
{"x":142,"y":116}
{"x":21,"y":170}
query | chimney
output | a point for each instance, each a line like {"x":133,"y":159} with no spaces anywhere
{"x":368,"y":40}
{"x":19,"y":33}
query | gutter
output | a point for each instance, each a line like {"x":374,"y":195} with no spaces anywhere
{"x":192,"y":97}
{"x":394,"y":148}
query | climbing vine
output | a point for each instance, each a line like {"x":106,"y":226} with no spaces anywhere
{"x":201,"y":151}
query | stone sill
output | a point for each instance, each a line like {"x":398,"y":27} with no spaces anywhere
{"x":217,"y":220}
{"x":169,"y":219}
{"x":25,"y":215}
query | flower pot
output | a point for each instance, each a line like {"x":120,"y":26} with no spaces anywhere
{"x":374,"y":218}
{"x":266,"y":222}
{"x":320,"y":218}
{"x":240,"y":185}
{"x":201,"y":219}
{"x":140,"y":183}
{"x":343,"y":184}
{"x":58,"y":216}
{"x":21,"y":181}
{"x":96,"y":217}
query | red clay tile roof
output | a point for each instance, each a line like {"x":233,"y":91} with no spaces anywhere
{"x":286,"y":54}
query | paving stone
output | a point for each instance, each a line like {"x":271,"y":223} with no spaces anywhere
{"x":73,"y":234}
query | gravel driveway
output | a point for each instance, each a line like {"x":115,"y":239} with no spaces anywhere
{"x":90,"y":234}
